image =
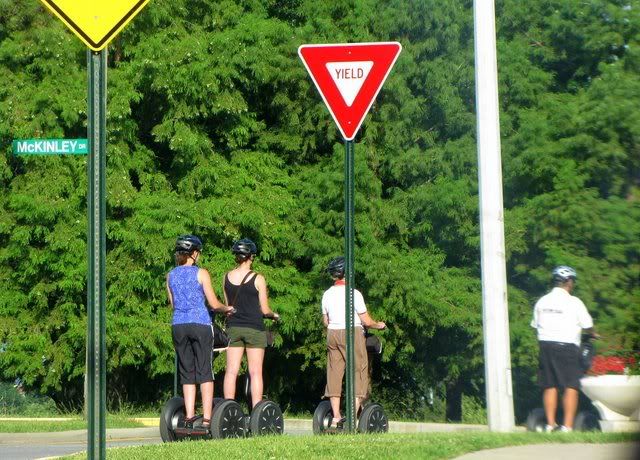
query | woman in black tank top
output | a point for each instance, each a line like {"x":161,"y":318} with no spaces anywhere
{"x":247,"y":292}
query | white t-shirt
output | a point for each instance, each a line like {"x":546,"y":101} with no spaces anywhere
{"x":333,"y":305}
{"x":560,"y":317}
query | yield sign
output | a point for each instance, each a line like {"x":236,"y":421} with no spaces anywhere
{"x":349,"y":77}
{"x":95,"y":22}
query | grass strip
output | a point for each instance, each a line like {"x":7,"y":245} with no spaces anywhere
{"x":44,"y":426}
{"x":347,"y":447}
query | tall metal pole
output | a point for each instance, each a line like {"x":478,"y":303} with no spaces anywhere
{"x":96,"y":293}
{"x":495,"y":315}
{"x":349,"y":236}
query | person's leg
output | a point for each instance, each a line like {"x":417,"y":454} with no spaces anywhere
{"x":570,"y":406}
{"x":361,"y":368}
{"x":234,"y":359}
{"x":336,"y":359}
{"x":186,"y":366}
{"x":550,"y":402}
{"x":203,"y":349}
{"x":189,"y":394}
{"x":206,"y":393}
{"x":255,"y":358}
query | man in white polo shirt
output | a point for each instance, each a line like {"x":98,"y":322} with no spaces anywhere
{"x":560,"y":319}
{"x":333,"y":317}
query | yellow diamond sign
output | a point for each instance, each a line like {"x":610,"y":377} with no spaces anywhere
{"x":95,"y":22}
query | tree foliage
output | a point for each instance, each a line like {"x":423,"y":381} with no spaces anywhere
{"x":215,"y":128}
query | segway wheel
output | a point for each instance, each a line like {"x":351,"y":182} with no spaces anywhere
{"x":217,"y":402}
{"x":587,"y":421}
{"x":173,"y":414}
{"x":322,"y":417}
{"x":266,"y":418}
{"x":537,"y":420}
{"x":228,"y":421}
{"x":373,"y":419}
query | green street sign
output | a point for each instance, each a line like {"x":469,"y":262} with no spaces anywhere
{"x":50,"y":146}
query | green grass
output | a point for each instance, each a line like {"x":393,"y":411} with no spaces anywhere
{"x":71,"y":423}
{"x":346,"y":447}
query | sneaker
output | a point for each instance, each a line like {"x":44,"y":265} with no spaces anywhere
{"x":550,"y":428}
{"x":563,"y":429}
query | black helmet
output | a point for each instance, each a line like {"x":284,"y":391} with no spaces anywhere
{"x":244,"y":247}
{"x":336,"y":267}
{"x":186,"y":244}
{"x":563,"y":273}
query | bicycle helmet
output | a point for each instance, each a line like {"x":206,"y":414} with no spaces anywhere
{"x":186,"y":244}
{"x":336,"y":267}
{"x":563,"y":273}
{"x":244,"y":247}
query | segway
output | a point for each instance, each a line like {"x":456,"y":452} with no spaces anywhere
{"x":586,"y":420}
{"x":228,"y":419}
{"x":371,"y":417}
{"x":265,"y":418}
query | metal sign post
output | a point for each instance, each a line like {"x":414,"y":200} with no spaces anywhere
{"x":349,"y":77}
{"x":349,"y":237}
{"x":96,"y":292}
{"x":96,"y":23}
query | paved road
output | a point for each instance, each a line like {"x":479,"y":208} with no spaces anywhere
{"x":617,"y":451}
{"x":29,"y":446}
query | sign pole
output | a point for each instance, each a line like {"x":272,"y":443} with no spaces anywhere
{"x":349,"y":236}
{"x":495,"y":313}
{"x":96,"y":292}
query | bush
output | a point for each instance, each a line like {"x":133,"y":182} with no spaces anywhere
{"x":13,"y":401}
{"x":473,"y":410}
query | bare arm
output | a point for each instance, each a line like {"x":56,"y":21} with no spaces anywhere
{"x":369,"y":322}
{"x":325,"y":320}
{"x":263,"y":296}
{"x":212,"y":299}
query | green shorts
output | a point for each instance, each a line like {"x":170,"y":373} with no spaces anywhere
{"x":246,"y":337}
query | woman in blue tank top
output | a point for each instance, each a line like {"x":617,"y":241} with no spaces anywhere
{"x":247,"y":291}
{"x":187,"y":288}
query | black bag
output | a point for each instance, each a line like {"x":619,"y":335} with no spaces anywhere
{"x":587,"y":352}
{"x":220,"y":336}
{"x":373,"y":343}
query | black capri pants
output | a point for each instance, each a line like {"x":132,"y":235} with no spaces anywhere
{"x":194,"y":346}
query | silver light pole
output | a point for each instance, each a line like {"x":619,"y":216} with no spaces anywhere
{"x":495,"y":315}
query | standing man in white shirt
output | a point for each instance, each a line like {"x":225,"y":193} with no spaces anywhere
{"x":333,"y":317}
{"x":560,"y":319}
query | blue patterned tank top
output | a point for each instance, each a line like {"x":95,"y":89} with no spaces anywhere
{"x":188,"y":296}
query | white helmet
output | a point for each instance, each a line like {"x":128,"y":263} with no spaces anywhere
{"x":563,"y":273}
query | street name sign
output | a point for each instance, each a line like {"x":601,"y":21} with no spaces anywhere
{"x":349,"y":76}
{"x":50,"y":146}
{"x":95,"y":22}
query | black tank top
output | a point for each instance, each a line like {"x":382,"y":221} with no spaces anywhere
{"x":247,"y":303}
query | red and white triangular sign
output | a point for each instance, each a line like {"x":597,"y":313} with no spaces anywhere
{"x":349,"y":77}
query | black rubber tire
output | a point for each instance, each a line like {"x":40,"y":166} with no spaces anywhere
{"x":537,"y":420}
{"x":216,"y":403}
{"x":173,"y":413}
{"x":373,"y":419}
{"x":266,"y":418}
{"x":322,"y":417}
{"x":228,"y":421}
{"x":587,"y":421}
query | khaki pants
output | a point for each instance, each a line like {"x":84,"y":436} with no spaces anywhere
{"x":336,"y":362}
